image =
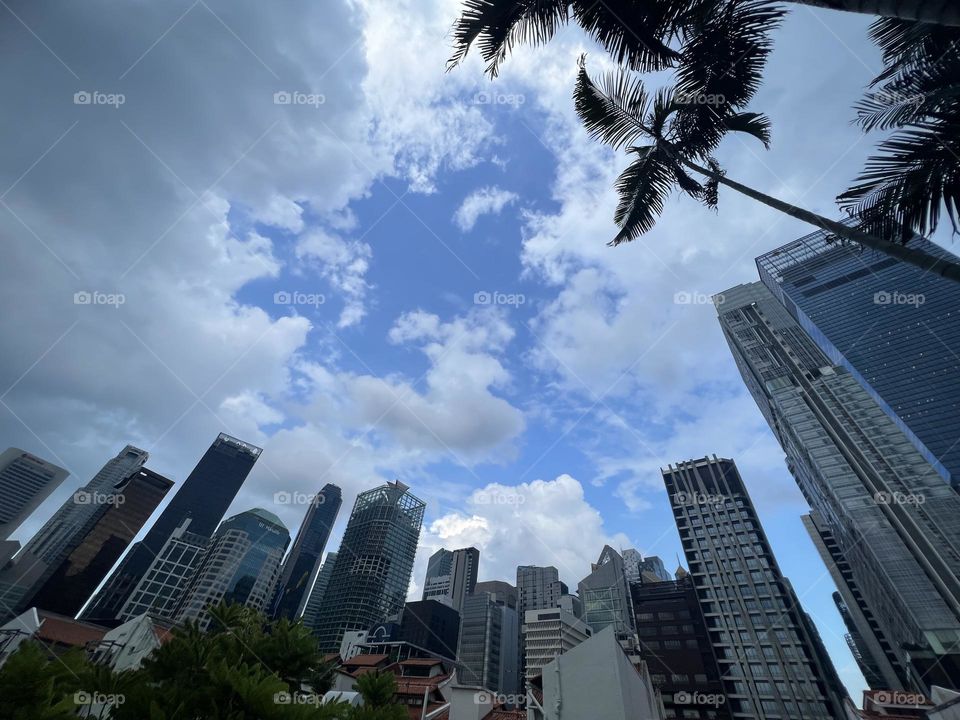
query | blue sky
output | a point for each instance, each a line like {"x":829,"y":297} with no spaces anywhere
{"x":535,"y":429}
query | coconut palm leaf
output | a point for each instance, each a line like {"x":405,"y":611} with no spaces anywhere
{"x":643,"y":188}
{"x":755,"y":124}
{"x":612,"y":109}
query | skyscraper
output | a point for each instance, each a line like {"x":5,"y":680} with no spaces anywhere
{"x":371,"y":576}
{"x":315,"y":598}
{"x":894,"y":327}
{"x":770,"y":663}
{"x":303,"y":563}
{"x":117,"y":516}
{"x":537,"y":588}
{"x":25,"y":482}
{"x":55,"y":535}
{"x":489,"y":649}
{"x":451,"y":576}
{"x":884,"y":520}
{"x":606,"y":596}
{"x":241,"y":566}
{"x":204,"y":497}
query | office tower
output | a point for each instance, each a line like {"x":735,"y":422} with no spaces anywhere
{"x":538,"y":587}
{"x":676,"y":647}
{"x":162,"y":586}
{"x":25,"y":482}
{"x":315,"y":598}
{"x":502,"y":593}
{"x":241,"y":566}
{"x":430,"y":626}
{"x":606,"y":596}
{"x":64,"y":587}
{"x":56,"y":534}
{"x":889,"y":527}
{"x":204,"y":497}
{"x":631,"y":564}
{"x":303,"y":563}
{"x":548,"y":633}
{"x":652,"y":566}
{"x":894,"y":327}
{"x":451,"y":576}
{"x":489,"y":640}
{"x":371,"y":576}
{"x":769,"y":663}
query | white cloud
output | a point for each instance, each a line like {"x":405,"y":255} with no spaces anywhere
{"x":485,"y":201}
{"x":344,"y":264}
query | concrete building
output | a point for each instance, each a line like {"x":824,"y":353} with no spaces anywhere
{"x":770,"y":662}
{"x":371,"y":576}
{"x":595,"y":679}
{"x":885,"y":522}
{"x":241,"y":566}
{"x":451,"y":576}
{"x":548,"y":633}
{"x":25,"y":481}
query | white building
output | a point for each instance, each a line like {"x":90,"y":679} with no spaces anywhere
{"x":548,"y":633}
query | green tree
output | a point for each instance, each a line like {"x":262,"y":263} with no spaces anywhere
{"x":33,"y":687}
{"x":378,"y":690}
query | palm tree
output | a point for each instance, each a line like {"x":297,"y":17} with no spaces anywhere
{"x":619,"y":112}
{"x":941,"y":12}
{"x":917,"y":173}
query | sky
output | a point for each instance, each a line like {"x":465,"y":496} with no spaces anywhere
{"x":289,"y":223}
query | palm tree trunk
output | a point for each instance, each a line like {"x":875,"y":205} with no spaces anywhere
{"x":925,"y":261}
{"x":939,"y":12}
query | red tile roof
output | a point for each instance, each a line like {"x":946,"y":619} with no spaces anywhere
{"x":63,"y":630}
{"x":365,"y":660}
{"x":500,"y":714}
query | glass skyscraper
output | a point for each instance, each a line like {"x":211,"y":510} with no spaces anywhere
{"x":371,"y":576}
{"x":884,"y":521}
{"x":204,"y":497}
{"x":894,"y":327}
{"x":303,"y":563}
{"x":241,"y":566}
{"x":770,"y":659}
{"x":315,"y":599}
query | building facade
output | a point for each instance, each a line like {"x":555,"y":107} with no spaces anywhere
{"x":605,"y":596}
{"x":204,"y":498}
{"x":25,"y":481}
{"x":548,"y":633}
{"x":241,"y":566}
{"x":888,"y":526}
{"x":315,"y":598}
{"x":371,"y":575}
{"x":770,"y":664}
{"x":303,"y":563}
{"x":894,"y":327}
{"x":451,"y":575}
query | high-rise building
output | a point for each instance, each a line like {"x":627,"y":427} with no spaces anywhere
{"x":57,"y":533}
{"x":204,"y":498}
{"x":315,"y":598}
{"x":770,"y":663}
{"x":64,"y":587}
{"x":538,"y":588}
{"x":451,"y":575}
{"x":887,"y":525}
{"x":894,"y":327}
{"x":371,"y":576}
{"x":489,"y":651}
{"x":675,"y":644}
{"x":303,"y":563}
{"x":606,"y":596}
{"x":241,"y":566}
{"x":638,"y":568}
{"x":652,"y":566}
{"x":25,"y":482}
{"x":162,"y":586}
{"x":548,"y":633}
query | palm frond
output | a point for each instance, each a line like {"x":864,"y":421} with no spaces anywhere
{"x":636,"y":34}
{"x":612,"y":110}
{"x":496,"y":26}
{"x":906,"y":187}
{"x":643,"y":187}
{"x":752,"y":123}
